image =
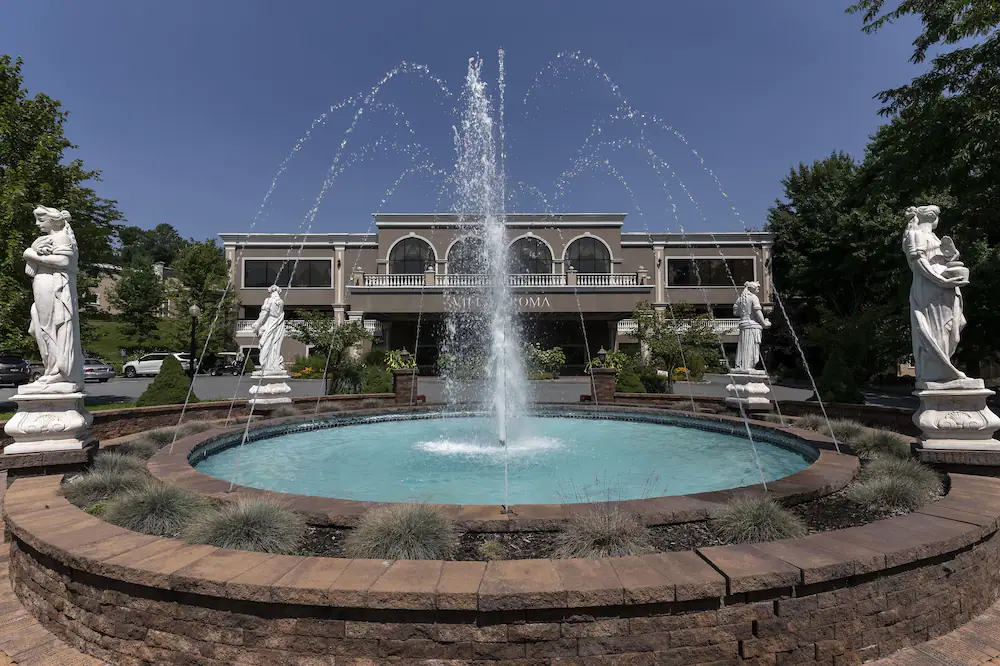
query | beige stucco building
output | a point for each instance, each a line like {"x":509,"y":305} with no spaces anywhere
{"x":564,"y":268}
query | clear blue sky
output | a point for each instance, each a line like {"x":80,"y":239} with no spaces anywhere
{"x":189,"y":107}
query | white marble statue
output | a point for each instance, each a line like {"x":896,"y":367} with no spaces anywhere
{"x":270,"y":331}
{"x":752,"y":322}
{"x":51,"y":262}
{"x":936,"y":317}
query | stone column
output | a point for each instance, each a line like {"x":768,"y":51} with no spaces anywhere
{"x":956,"y":418}
{"x":571,"y":277}
{"x":642,"y":276}
{"x":429,"y":276}
{"x":404,"y":385}
{"x":748,"y":391}
{"x":602,"y":386}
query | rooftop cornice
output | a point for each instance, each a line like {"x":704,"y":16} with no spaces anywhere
{"x":417,"y":220}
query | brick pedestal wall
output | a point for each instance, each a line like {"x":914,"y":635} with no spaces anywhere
{"x":404,"y":385}
{"x":838,"y":622}
{"x":602,"y":386}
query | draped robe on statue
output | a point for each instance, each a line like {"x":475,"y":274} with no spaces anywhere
{"x":270,"y":328}
{"x":747,"y":308}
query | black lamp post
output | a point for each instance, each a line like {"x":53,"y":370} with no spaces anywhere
{"x":404,"y":356}
{"x":602,"y":354}
{"x":195,"y":312}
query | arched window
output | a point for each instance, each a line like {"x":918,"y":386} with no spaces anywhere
{"x":410,"y":256}
{"x":589,"y":255}
{"x":530,"y":255}
{"x":466,"y":256}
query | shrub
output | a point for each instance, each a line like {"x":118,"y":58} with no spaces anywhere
{"x":881,"y":444}
{"x":492,"y":550}
{"x":249,"y":523}
{"x":158,"y":509}
{"x":347,"y":379}
{"x":883,"y":494}
{"x":605,"y":532}
{"x":376,"y":379}
{"x":402,"y":532}
{"x":283,"y":411}
{"x":161,"y":436}
{"x":118,"y":462}
{"x":924,"y":478}
{"x":170,"y":387}
{"x":836,"y":382}
{"x":813,"y":422}
{"x":754,"y":519}
{"x":192,"y":427}
{"x":309,"y":367}
{"x":629,"y":382}
{"x":97,"y":485}
{"x":653,"y":382}
{"x":845,"y":430}
{"x":140,"y":447}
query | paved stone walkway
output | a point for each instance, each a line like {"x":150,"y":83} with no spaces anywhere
{"x":976,"y":643}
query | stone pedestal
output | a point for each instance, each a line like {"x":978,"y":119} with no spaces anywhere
{"x":954,"y":416}
{"x":748,"y":391}
{"x":271,"y":392}
{"x":48,"y":422}
{"x":404,"y":385}
{"x":603,"y":381}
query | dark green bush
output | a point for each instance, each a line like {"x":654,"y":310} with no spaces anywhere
{"x":97,"y":485}
{"x":836,"y":383}
{"x":170,"y":387}
{"x":654,"y":383}
{"x":402,"y":532}
{"x":348,"y":379}
{"x":156,"y":508}
{"x":118,"y":462}
{"x":376,"y":379}
{"x":755,"y":519}
{"x":629,"y":382}
{"x":249,"y":523}
{"x":604,"y":532}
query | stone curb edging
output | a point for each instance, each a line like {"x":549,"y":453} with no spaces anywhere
{"x":829,"y":473}
{"x":833,"y":598}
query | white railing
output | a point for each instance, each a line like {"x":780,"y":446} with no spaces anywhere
{"x":394,"y":280}
{"x":537,"y":280}
{"x":721,"y":326}
{"x":607,"y":279}
{"x":461,"y":280}
{"x":373,"y":326}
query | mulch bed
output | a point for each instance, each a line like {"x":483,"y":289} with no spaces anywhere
{"x":833,"y":512}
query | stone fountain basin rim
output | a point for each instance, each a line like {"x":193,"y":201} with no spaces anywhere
{"x":829,"y":472}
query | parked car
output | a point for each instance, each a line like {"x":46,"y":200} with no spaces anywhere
{"x":94,"y":368}
{"x":226,"y":365}
{"x":149,"y":365}
{"x":14,"y":369}
{"x":37,"y":369}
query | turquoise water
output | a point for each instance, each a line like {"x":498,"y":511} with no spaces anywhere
{"x":552,"y":460}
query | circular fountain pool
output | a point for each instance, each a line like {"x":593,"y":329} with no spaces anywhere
{"x":552,"y":459}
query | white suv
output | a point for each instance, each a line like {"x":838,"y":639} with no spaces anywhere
{"x":150,"y":364}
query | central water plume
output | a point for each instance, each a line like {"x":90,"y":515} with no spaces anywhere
{"x":482,"y":339}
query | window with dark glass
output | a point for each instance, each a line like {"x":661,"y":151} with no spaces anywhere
{"x":712,"y":272}
{"x":589,"y":255}
{"x":410,"y":256}
{"x":307,"y":273}
{"x":530,"y":255}
{"x":466,"y":256}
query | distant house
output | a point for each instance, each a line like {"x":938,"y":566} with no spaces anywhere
{"x":109,"y":277}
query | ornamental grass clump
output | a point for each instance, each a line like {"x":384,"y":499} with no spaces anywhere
{"x":140,"y":447}
{"x":249,"y":523}
{"x":811,"y":422}
{"x":117,"y":461}
{"x":282,"y":411}
{"x":927,"y":481}
{"x":845,"y":430}
{"x":403,"y":532}
{"x":755,"y":519}
{"x":96,"y":485}
{"x":887,"y":494}
{"x":604,"y":532}
{"x":881,"y":444}
{"x":158,"y":509}
{"x":492,"y":550}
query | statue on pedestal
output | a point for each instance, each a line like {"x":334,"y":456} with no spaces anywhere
{"x":50,"y":413}
{"x":752,"y":322}
{"x":270,"y":331}
{"x":51,"y":263}
{"x":748,"y":390}
{"x":953,"y":413}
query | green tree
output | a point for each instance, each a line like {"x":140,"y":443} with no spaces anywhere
{"x":837,"y":265}
{"x":162,"y":243}
{"x":170,"y":387}
{"x":202,"y":280}
{"x":674,"y":336}
{"x":941,"y":144}
{"x":138,"y":295}
{"x":836,"y":382}
{"x":33,"y":171}
{"x":333,"y":341}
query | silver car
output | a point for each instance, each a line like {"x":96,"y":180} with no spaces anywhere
{"x":95,"y":369}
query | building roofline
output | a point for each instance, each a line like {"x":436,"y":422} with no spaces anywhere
{"x":516,"y":220}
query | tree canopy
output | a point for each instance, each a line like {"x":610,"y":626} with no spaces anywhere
{"x":162,"y":244}
{"x":34,"y":170}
